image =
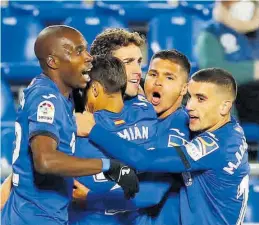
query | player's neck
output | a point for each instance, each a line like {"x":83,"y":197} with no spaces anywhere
{"x":172,"y":109}
{"x":113,"y":103}
{"x":221,"y":123}
{"x":64,"y":89}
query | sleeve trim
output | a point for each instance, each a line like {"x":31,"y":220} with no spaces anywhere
{"x":183,"y":157}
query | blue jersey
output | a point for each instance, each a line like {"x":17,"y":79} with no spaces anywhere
{"x":135,"y":123}
{"x":221,"y":178}
{"x":215,"y":166}
{"x":35,"y":198}
{"x":172,"y":131}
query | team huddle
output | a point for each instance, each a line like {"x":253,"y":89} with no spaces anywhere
{"x":92,"y":147}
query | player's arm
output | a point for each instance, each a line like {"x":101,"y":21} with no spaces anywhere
{"x":5,"y":189}
{"x":45,"y":123}
{"x":48,"y":160}
{"x":189,"y":157}
{"x":150,"y":193}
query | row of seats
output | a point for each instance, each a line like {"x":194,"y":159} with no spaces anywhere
{"x":128,"y":10}
{"x":172,"y":30}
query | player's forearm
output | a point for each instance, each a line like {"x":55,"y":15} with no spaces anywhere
{"x":59,"y":163}
{"x":150,"y":194}
{"x":5,"y":190}
{"x":162,"y":160}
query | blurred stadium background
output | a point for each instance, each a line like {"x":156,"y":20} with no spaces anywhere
{"x":166,"y":24}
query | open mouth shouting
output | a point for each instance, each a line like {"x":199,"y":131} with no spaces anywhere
{"x":85,"y":73}
{"x":156,"y":97}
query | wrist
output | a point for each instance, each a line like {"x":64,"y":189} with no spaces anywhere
{"x":106,"y":164}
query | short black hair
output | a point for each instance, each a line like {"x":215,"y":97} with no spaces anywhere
{"x":113,"y":39}
{"x":219,"y":77}
{"x":110,"y":72}
{"x":174,"y":56}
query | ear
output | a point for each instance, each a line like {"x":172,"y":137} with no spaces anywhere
{"x":184,"y":89}
{"x":226,"y":107}
{"x":95,"y":87}
{"x":52,"y":62}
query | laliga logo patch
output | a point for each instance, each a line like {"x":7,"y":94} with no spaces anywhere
{"x":201,"y":146}
{"x":46,"y":112}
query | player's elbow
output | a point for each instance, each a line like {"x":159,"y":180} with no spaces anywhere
{"x":42,"y":164}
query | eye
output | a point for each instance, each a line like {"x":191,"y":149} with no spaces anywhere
{"x":126,"y":62}
{"x":169,"y":78}
{"x":79,"y":52}
{"x":152,"y":74}
{"x":201,"y":99}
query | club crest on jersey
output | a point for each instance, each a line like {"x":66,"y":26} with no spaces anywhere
{"x":201,"y":146}
{"x":175,"y":140}
{"x":46,"y":112}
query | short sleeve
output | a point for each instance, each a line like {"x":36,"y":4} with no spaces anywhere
{"x":44,"y":113}
{"x":202,"y":153}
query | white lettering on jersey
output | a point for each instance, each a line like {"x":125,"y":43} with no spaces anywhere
{"x":243,"y":190}
{"x":73,"y":143}
{"x":46,"y":112}
{"x":49,"y":96}
{"x":15,"y":179}
{"x":22,"y":100}
{"x":178,"y":132}
{"x":134,"y":133}
{"x":239,"y":156}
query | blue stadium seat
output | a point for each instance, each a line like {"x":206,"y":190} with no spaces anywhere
{"x":52,"y":11}
{"x":251,"y":131}
{"x":8,"y":115}
{"x":138,"y":10}
{"x":252,"y":212}
{"x":200,"y":8}
{"x":174,"y":30}
{"x":19,"y":60}
{"x":91,"y":26}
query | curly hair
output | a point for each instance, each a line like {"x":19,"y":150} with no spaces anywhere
{"x":114,"y":38}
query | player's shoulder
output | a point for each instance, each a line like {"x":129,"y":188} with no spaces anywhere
{"x":41,"y":88}
{"x":140,"y":104}
{"x":230,"y":134}
{"x":182,"y":114}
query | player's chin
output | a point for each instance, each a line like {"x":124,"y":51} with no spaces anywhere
{"x":82,"y":85}
{"x":131,"y":91}
{"x":194,"y":128}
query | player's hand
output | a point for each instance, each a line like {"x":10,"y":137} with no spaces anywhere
{"x":125,"y":177}
{"x":5,"y":189}
{"x":85,"y":123}
{"x":80,"y":191}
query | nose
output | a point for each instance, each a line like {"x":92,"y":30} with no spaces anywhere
{"x":158,"y":81}
{"x":88,"y":57}
{"x":189,"y":105}
{"x":136,"y":69}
